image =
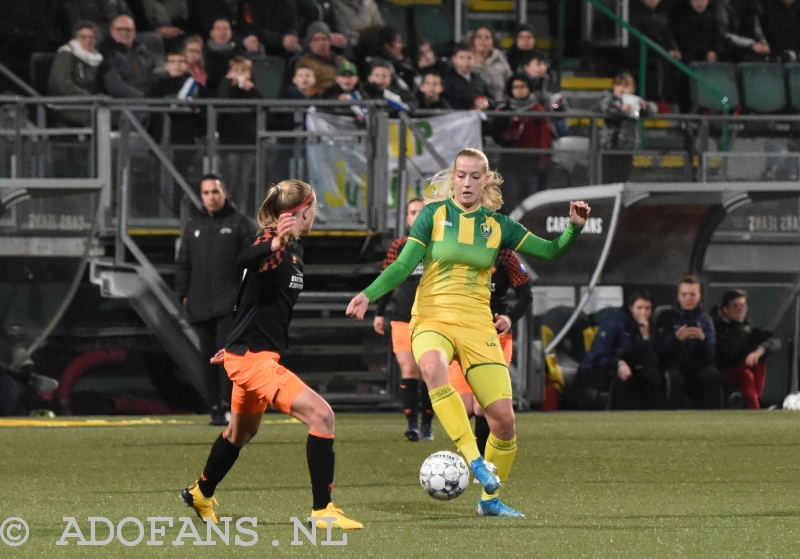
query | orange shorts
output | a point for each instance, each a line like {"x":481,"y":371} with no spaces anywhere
{"x":259,"y":380}
{"x":401,"y":337}
{"x":456,"y":375}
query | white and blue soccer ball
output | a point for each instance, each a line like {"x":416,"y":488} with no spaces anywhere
{"x":444,"y":475}
{"x":792,"y":402}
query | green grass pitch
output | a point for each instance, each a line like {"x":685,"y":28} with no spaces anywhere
{"x":592,"y":485}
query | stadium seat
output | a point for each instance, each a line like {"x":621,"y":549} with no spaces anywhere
{"x":268,"y":75}
{"x":721,"y":75}
{"x":435,"y":23}
{"x":41,"y":62}
{"x":793,"y":85}
{"x":763,"y":86}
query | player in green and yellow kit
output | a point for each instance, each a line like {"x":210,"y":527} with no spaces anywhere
{"x":457,"y":239}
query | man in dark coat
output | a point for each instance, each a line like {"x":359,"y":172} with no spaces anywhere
{"x":128,"y":65}
{"x":207,"y":281}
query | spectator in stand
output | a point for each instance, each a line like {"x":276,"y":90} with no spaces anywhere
{"x":426,"y":58}
{"x":318,"y":56}
{"x":162,"y":23}
{"x":274,"y":23}
{"x":346,"y":88}
{"x":742,"y":30}
{"x":207,"y":282}
{"x":239,"y":129}
{"x":545,"y":87}
{"x":524,"y":173}
{"x":430,"y":92}
{"x":621,"y":109}
{"x":623,"y":359}
{"x":304,"y":84}
{"x":490,"y":62}
{"x":697,"y":31}
{"x":781,"y":25}
{"x":193,"y":50}
{"x":101,"y":12}
{"x":391,"y":49}
{"x":220,"y":48}
{"x":354,"y":15}
{"x":309,"y":11}
{"x":380,"y":85}
{"x":742,"y":349}
{"x":128,"y":65}
{"x":651,"y":19}
{"x":524,"y":43}
{"x":75,"y":71}
{"x":464,"y":88}
{"x":686,"y":346}
{"x":204,"y":13}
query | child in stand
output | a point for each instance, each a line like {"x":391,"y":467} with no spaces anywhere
{"x":346,"y":88}
{"x":430,"y":92}
{"x":303,"y":84}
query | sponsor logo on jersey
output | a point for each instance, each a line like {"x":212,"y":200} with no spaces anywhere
{"x":296,"y":282}
{"x":445,"y":223}
{"x":196,"y":233}
{"x":226,"y":231}
{"x":491,"y":343}
{"x":486,"y":230}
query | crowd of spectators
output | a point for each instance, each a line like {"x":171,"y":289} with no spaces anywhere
{"x":684,"y":357}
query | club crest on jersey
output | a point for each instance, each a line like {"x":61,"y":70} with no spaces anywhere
{"x":486,"y":230}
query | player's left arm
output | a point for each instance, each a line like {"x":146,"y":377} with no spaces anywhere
{"x":531,"y":245}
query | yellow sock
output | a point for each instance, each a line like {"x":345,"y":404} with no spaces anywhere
{"x":501,"y":454}
{"x":452,"y":415}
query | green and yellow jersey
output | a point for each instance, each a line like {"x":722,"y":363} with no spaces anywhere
{"x":458,"y":249}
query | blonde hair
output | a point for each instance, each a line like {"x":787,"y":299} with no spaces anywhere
{"x":444,"y":187}
{"x":283,"y":196}
{"x":241,"y":61}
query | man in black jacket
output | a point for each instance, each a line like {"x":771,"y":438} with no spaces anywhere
{"x":207,"y":282}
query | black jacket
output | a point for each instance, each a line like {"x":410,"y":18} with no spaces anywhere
{"x":687,"y":354}
{"x":736,"y":339}
{"x":462,"y":92}
{"x":207,"y":274}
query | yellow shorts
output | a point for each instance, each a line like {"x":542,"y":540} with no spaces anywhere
{"x":478,"y":350}
{"x":456,"y":375}
{"x":259,"y":380}
{"x":401,"y":337}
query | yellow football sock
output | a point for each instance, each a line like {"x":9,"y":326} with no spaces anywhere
{"x":501,"y":454}
{"x":452,"y":415}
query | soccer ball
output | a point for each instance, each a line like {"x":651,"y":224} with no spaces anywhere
{"x":444,"y":475}
{"x":792,"y":401}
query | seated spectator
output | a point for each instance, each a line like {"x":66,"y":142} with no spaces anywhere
{"x":193,"y":50}
{"x":75,"y":71}
{"x":391,"y":49}
{"x":781,"y":24}
{"x":524,"y":173}
{"x":303,"y":84}
{"x":220,"y":48}
{"x":318,"y":56}
{"x":274,"y":23}
{"x":346,"y":88}
{"x":430,"y":92}
{"x":490,"y":62}
{"x":742,"y":349}
{"x":621,"y":109}
{"x":623,"y":360}
{"x":162,"y":22}
{"x":686,"y":346}
{"x":380,"y":86}
{"x":128,"y":65}
{"x":464,"y":88}
{"x":741,"y":28}
{"x":648,"y":17}
{"x":204,"y":13}
{"x":524,"y":43}
{"x":545,"y":86}
{"x":354,"y":15}
{"x":309,"y":11}
{"x":426,"y":58}
{"x":239,"y":128}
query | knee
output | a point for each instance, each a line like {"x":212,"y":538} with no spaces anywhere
{"x":241,"y":435}
{"x":324,"y":421}
{"x":409,"y":370}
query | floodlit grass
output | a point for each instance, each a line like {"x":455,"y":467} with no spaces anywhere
{"x":622,"y":485}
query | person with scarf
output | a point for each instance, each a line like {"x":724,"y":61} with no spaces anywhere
{"x":74,"y":71}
